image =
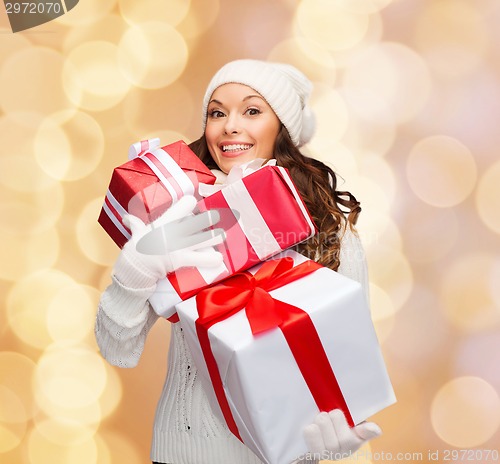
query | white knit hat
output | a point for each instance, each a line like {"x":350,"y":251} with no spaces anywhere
{"x":284,"y":87}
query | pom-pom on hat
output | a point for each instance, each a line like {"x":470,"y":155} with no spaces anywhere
{"x":283,"y":86}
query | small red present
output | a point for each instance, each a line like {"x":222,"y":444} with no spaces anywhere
{"x":262,"y":214}
{"x":149,"y":183}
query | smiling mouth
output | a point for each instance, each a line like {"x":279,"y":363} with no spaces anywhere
{"x":235,"y":147}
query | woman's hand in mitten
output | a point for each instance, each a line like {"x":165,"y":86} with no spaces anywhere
{"x":176,"y":239}
{"x":331,"y":437}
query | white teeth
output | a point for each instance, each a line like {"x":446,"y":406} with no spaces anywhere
{"x":236,"y":147}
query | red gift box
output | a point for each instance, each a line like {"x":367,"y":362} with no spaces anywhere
{"x":262,"y":214}
{"x":148,"y":184}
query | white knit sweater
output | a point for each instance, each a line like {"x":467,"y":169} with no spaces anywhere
{"x":185,"y":429}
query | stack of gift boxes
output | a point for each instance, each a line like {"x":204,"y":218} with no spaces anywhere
{"x":276,"y":337}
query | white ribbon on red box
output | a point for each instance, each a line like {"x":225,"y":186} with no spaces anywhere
{"x":236,"y":173}
{"x":169,"y":173}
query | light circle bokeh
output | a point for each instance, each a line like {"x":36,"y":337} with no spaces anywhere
{"x":68,"y":146}
{"x":379,"y":171}
{"x":465,"y":293}
{"x":16,"y":374}
{"x":100,"y":82}
{"x":31,"y":213}
{"x":153,"y":111}
{"x":24,"y":79}
{"x":21,"y":173}
{"x":478,"y":355}
{"x":86,"y":13}
{"x":199,"y":19}
{"x":16,"y":402}
{"x":13,"y":44}
{"x":135,"y":12}
{"x":430,"y":232}
{"x":152,"y":54}
{"x":369,"y":192}
{"x":308,"y":55}
{"x":419,"y":320}
{"x":78,"y":323}
{"x":112,"y":394}
{"x":363,"y":6}
{"x":488,"y":197}
{"x":335,"y":154}
{"x":28,"y":253}
{"x":64,"y":432}
{"x":109,"y":29}
{"x":41,"y":450}
{"x":330,"y":25}
{"x":12,"y":427}
{"x":94,"y":242}
{"x":70,"y":375}
{"x":27,"y":305}
{"x":381,"y":305}
{"x":390,"y":270}
{"x":493,"y":280}
{"x":18,"y":169}
{"x":441,"y":171}
{"x":121,"y":447}
{"x":372,"y":125}
{"x":452,"y":36}
{"x":65,"y":416}
{"x":465,"y":412}
{"x":393,"y":72}
{"x":12,"y":409}
{"x":377,"y":228}
{"x":330,"y":110}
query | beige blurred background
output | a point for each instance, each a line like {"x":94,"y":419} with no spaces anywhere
{"x":407,"y":98}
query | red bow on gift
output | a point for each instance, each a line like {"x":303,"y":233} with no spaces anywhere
{"x":251,"y":292}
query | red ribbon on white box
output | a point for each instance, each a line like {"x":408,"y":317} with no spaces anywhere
{"x":264,"y":312}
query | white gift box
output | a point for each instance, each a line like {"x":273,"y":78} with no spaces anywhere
{"x":266,"y":393}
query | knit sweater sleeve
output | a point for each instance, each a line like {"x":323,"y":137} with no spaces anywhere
{"x":353,"y":260}
{"x":124,"y":316}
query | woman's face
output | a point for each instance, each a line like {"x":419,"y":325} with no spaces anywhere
{"x":241,"y":126}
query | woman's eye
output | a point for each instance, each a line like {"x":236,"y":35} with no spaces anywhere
{"x":253,"y":111}
{"x":216,"y":114}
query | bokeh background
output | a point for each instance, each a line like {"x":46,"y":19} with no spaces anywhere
{"x":407,"y":99}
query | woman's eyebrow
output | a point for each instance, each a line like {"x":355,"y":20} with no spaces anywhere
{"x":217,"y":102}
{"x":252,"y":96}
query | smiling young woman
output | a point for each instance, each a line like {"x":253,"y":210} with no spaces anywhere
{"x":251,"y":109}
{"x":276,"y":120}
{"x":241,"y":126}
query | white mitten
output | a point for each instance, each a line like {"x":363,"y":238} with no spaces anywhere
{"x":176,"y":239}
{"x":331,"y":437}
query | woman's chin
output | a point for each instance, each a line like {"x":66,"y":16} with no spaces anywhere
{"x":228,"y":163}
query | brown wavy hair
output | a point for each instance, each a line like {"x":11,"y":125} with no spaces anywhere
{"x":331,"y":210}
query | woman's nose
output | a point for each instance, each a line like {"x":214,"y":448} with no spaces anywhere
{"x":232,"y":125}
